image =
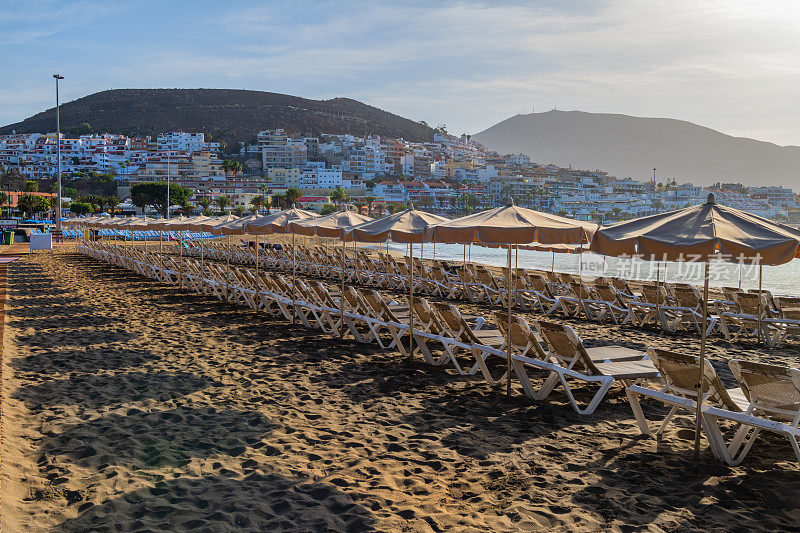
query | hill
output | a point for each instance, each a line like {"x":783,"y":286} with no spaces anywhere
{"x":225,"y":114}
{"x":632,"y":146}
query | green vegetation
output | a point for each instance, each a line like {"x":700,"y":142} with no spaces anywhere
{"x":223,"y":202}
{"x":30,"y":204}
{"x":80,"y":208}
{"x":292,"y":195}
{"x":154,"y":194}
{"x":327,"y":209}
{"x":339,"y":196}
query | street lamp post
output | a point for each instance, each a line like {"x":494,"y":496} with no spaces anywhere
{"x":168,"y":161}
{"x":58,"y":155}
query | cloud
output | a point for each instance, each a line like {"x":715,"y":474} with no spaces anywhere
{"x":468,"y":64}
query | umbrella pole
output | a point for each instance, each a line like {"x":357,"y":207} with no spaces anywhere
{"x":411,"y":304}
{"x":580,"y":279}
{"x":180,"y":261}
{"x":658,"y":292}
{"x":702,"y":366}
{"x":508,"y":329}
{"x":516,"y":270}
{"x":294,"y":313}
{"x":760,"y":297}
{"x":202,"y":259}
{"x":257,"y":250}
{"x":603,"y":274}
{"x":341,"y":296}
{"x":553,"y":264}
{"x":228,"y":271}
{"x":740,"y":275}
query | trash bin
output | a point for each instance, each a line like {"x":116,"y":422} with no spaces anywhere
{"x":8,"y":236}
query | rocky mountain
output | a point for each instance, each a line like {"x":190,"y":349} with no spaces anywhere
{"x":632,"y":146}
{"x":225,"y":114}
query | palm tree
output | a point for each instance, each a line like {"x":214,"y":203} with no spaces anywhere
{"x":226,"y":166}
{"x":292,"y":195}
{"x":112,"y":202}
{"x":339,"y":196}
{"x":370,"y":200}
{"x":278,"y":200}
{"x":238,"y":210}
{"x":205,"y":203}
{"x":257,"y":202}
{"x":223,"y":202}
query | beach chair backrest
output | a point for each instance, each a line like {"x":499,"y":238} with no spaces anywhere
{"x":654,"y":295}
{"x":748,"y":303}
{"x":770,"y":301}
{"x":454,"y":323}
{"x":520,"y":338}
{"x":621,"y":285}
{"x":680,"y":372}
{"x":788,"y":306}
{"x":606,"y":293}
{"x":773,"y":390}
{"x":580,"y":290}
{"x":565,"y":346}
{"x":426,"y":316}
{"x":484,"y":275}
{"x":687,"y":296}
{"x":373,"y":299}
{"x":323,"y":294}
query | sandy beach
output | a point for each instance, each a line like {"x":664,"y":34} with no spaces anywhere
{"x":130,"y":405}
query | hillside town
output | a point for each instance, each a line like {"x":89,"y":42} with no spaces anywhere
{"x":452,"y":175}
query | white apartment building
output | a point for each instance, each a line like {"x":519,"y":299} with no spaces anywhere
{"x":314,"y":175}
{"x":280,"y":151}
{"x":286,"y":177}
{"x":185,"y":142}
{"x":518,"y":160}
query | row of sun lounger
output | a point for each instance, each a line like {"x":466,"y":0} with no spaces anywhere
{"x":545,"y":355}
{"x":673,"y":307}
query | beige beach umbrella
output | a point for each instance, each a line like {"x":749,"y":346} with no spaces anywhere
{"x":228,"y":228}
{"x":702,"y":233}
{"x":404,"y":227}
{"x":510,"y":225}
{"x":332,"y":225}
{"x":278,"y":223}
{"x":234,"y":227}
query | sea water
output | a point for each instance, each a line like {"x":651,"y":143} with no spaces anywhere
{"x":781,"y":280}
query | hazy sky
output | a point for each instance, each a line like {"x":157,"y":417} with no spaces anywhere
{"x":730,"y":65}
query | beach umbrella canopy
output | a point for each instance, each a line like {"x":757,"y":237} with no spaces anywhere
{"x":277,"y":222}
{"x":536,"y":247}
{"x":331,"y":225}
{"x":701,"y":232}
{"x":406,"y":226}
{"x":109,"y":221}
{"x":234,"y":227}
{"x":512,"y":224}
{"x":95,"y":220}
{"x":186,"y":223}
{"x":207,"y":223}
